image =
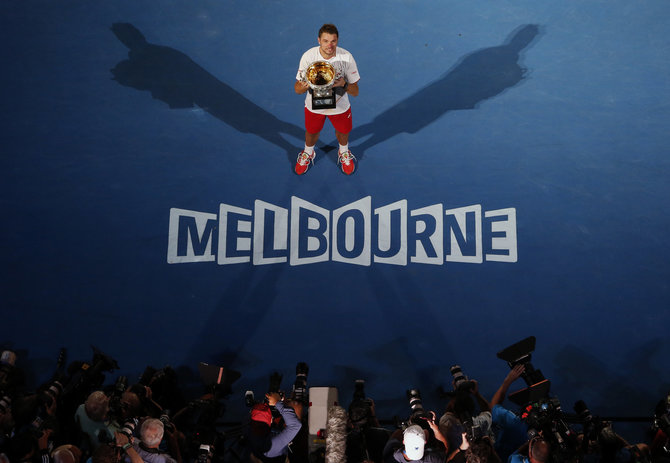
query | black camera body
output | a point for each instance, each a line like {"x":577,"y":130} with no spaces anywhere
{"x":360,"y":409}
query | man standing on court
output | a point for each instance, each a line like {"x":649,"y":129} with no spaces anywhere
{"x":345,"y":84}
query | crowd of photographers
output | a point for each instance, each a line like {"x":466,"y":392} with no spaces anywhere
{"x":75,"y":418}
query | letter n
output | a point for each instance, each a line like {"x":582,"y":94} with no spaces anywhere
{"x":427,"y":239}
{"x":464,"y":229}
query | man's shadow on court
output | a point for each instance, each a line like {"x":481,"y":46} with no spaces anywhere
{"x":173,"y":77}
{"x":476,"y":77}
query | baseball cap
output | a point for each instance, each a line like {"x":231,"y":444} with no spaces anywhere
{"x":414,"y":440}
{"x":262,"y":413}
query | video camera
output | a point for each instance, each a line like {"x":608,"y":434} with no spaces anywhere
{"x":198,"y":420}
{"x":545,"y":417}
{"x":538,"y":385}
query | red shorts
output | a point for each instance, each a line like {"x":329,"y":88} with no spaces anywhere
{"x":314,"y":122}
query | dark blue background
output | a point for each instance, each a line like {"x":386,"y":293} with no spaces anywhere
{"x":557,"y":110}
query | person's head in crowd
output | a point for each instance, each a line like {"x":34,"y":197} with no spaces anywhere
{"x":462,"y":405}
{"x":538,"y":450}
{"x":131,"y":405}
{"x":97,"y":406}
{"x":451,"y":428}
{"x":414,"y":441}
{"x":105,"y":454}
{"x":481,"y":451}
{"x":66,"y":454}
{"x":151,"y":432}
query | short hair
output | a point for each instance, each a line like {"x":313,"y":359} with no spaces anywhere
{"x":151,"y":432}
{"x":329,"y":29}
{"x":539,"y":449}
{"x":65,"y":454}
{"x":97,"y":406}
{"x":481,"y":451}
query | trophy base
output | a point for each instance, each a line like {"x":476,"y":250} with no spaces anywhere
{"x":323,"y":101}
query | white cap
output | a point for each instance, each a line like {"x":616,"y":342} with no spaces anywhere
{"x":414,"y":440}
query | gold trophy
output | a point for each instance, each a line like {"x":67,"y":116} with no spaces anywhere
{"x":320,"y":76}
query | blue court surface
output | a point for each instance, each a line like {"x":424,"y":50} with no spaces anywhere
{"x":512,"y":181}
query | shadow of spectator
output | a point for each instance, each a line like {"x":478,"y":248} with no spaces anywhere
{"x":173,"y":77}
{"x":477,"y":77}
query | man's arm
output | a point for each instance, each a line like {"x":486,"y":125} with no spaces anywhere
{"x":501,"y":393}
{"x":293,"y":425}
{"x":483,"y":404}
{"x":123,"y":441}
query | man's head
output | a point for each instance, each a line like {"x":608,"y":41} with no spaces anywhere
{"x":105,"y":454}
{"x":97,"y":406}
{"x":328,"y":29}
{"x":328,"y":36}
{"x":131,"y":405}
{"x":66,"y":454}
{"x":538,"y":450}
{"x":481,"y":451}
{"x":151,"y":432}
{"x":414,"y":440}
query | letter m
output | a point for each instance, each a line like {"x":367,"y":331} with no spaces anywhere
{"x":191,"y":236}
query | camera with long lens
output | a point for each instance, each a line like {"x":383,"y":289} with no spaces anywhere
{"x":275,"y":382}
{"x":165,"y":419}
{"x":205,"y":453}
{"x":5,"y":404}
{"x":274,"y":385}
{"x":461,"y":382}
{"x":199,"y":419}
{"x":299,"y":392}
{"x":128,"y":427}
{"x":418,"y":415}
{"x":360,"y":409}
{"x":117,"y":408}
{"x":474,"y":432}
{"x":591,"y":425}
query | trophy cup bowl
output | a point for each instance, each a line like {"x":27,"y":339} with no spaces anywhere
{"x":321,"y":76}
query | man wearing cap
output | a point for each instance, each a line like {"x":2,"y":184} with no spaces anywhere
{"x":267,"y":446}
{"x":412,"y":447}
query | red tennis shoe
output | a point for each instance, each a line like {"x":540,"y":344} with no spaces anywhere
{"x":303,"y":162}
{"x":347,"y":162}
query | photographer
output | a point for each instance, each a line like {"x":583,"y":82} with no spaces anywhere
{"x":92,"y":422}
{"x":537,"y":450}
{"x":152,"y":431}
{"x":467,"y":417}
{"x":509,"y":430}
{"x":412,"y":447}
{"x":267,"y":444}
